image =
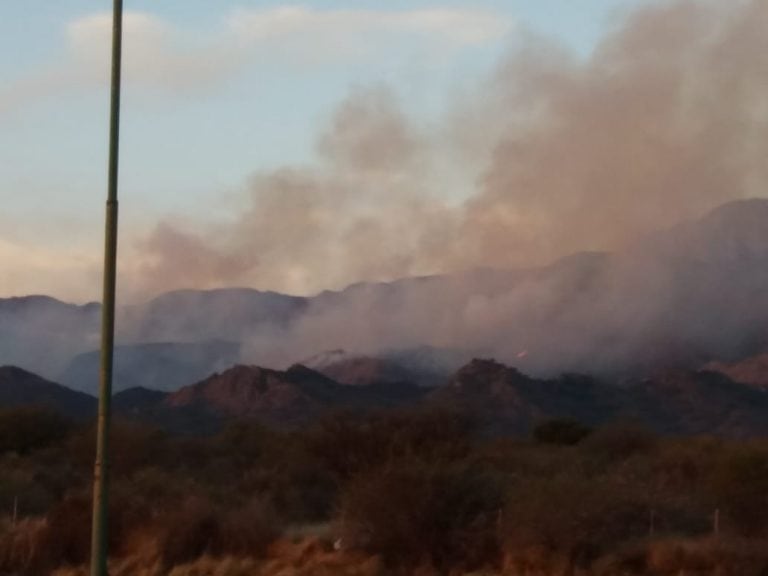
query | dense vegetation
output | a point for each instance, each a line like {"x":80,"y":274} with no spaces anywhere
{"x":394,"y":493}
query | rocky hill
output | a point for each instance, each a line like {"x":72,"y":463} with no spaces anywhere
{"x":752,"y":370}
{"x":19,"y":388}
{"x":697,"y":402}
{"x":423,"y":366}
{"x":502,"y":399}
{"x":288,"y":397}
{"x":498,"y":398}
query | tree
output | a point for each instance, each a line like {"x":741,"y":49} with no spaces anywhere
{"x":561,"y":431}
{"x":24,"y":430}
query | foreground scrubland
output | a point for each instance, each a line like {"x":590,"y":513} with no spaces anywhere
{"x":395,"y":493}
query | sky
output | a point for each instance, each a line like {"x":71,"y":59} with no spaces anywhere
{"x":216,"y":94}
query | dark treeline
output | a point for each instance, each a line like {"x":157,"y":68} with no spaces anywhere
{"x":408,"y":492}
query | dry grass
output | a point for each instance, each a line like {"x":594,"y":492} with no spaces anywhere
{"x":315,"y":558}
{"x":20,"y":546}
{"x":709,"y":557}
{"x":20,"y":554}
{"x":284,"y":558}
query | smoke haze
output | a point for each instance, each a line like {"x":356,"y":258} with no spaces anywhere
{"x":665,"y":120}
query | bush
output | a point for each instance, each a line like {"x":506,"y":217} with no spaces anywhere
{"x":708,"y":556}
{"x":22,"y":549}
{"x":414,"y":512}
{"x":620,"y":442}
{"x":22,"y":490}
{"x":36,"y":546}
{"x":133,"y":446}
{"x":351,"y":444}
{"x":188,"y":533}
{"x":741,"y":490}
{"x":68,"y":534}
{"x":299,"y":487}
{"x":249,"y":460}
{"x":247,"y":531}
{"x":24,"y":430}
{"x":198,"y":528}
{"x":573,"y":517}
{"x":564,"y":432}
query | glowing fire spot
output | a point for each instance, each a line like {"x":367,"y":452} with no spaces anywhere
{"x":523,"y":354}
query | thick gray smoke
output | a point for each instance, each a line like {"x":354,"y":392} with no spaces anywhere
{"x":667,"y":119}
{"x":366,"y":212}
{"x":664,"y":121}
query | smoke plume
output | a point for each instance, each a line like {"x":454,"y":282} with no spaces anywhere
{"x":549,"y":156}
{"x":666,"y":119}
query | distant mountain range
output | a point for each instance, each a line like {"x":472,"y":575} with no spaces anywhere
{"x":752,"y":371}
{"x":682,"y":299}
{"x":289,"y":397}
{"x":157,"y":366}
{"x":499,"y":399}
{"x":19,"y":388}
{"x":425,"y":366}
{"x":673,"y":402}
{"x":42,"y":334}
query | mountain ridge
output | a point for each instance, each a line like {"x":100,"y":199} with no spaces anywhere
{"x":693,"y":294}
{"x":20,"y":388}
{"x":499,"y":398}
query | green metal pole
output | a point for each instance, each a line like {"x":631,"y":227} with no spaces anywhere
{"x":99,"y":535}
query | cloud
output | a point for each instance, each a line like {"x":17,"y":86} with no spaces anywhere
{"x":352,"y":31}
{"x":156,"y":57}
{"x":164,"y":58}
{"x":156,"y":54}
{"x":28,"y":270}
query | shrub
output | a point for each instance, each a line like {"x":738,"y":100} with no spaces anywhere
{"x":22,"y":490}
{"x":188,"y":533}
{"x":24,"y":430}
{"x":413,"y":512}
{"x":301,"y":488}
{"x":274,"y":466}
{"x":68,"y":534}
{"x":708,"y":556}
{"x":620,"y":442}
{"x":133,"y":446}
{"x":198,"y":528}
{"x":37,"y":546}
{"x":573,"y":517}
{"x":247,"y":531}
{"x":564,"y":432}
{"x":22,"y":549}
{"x":741,"y":490}
{"x":351,"y":444}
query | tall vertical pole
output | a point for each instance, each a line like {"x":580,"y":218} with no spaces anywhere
{"x":99,"y":535}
